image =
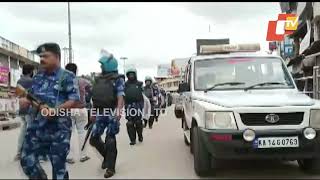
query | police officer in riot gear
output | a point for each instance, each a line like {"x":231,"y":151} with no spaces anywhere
{"x":149,"y":93}
{"x":157,"y":100}
{"x":107,"y":98}
{"x":134,"y":106}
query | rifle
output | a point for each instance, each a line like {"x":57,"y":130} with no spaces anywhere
{"x":22,"y":92}
{"x":89,"y":126}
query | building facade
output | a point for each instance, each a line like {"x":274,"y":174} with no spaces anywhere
{"x":12,"y":58}
{"x":306,"y":45}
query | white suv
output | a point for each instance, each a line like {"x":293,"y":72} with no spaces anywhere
{"x":247,"y":106}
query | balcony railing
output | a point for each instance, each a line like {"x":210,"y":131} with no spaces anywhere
{"x":12,"y":47}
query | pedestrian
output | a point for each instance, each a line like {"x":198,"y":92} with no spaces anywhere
{"x":79,"y":117}
{"x":149,"y":93}
{"x":108,"y":102}
{"x":134,"y":106}
{"x":157,"y":100}
{"x":164,"y":100}
{"x":25,"y":81}
{"x":49,"y":131}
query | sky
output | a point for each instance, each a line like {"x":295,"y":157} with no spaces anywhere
{"x":147,"y":34}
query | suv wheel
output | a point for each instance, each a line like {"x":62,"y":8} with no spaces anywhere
{"x":310,"y":165}
{"x":202,"y":158}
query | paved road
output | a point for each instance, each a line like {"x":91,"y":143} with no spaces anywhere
{"x":163,"y":154}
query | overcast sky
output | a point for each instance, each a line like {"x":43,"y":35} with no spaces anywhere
{"x":147,"y":33}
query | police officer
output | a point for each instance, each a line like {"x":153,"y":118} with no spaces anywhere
{"x":134,"y":106}
{"x":49,"y":132}
{"x":107,"y":97}
{"x":149,"y":93}
{"x":164,"y":100}
{"x":157,"y":100}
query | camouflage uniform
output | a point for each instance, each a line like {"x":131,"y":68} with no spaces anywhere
{"x":108,"y":150}
{"x":134,"y":116}
{"x":51,"y":137}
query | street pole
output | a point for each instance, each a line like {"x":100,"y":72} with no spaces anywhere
{"x":124,"y":64}
{"x":69,"y":28}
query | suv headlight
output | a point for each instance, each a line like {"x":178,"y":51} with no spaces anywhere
{"x":315,"y":118}
{"x":220,"y":120}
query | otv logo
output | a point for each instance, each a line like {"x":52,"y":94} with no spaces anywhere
{"x":286,"y":24}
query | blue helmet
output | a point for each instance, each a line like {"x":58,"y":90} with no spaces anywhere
{"x":108,"y":64}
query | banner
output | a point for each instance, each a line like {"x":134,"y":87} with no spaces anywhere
{"x":178,"y":66}
{"x":4,"y":75}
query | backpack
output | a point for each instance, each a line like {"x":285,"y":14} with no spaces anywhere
{"x":148,"y":92}
{"x":103,"y":91}
{"x":133,"y":92}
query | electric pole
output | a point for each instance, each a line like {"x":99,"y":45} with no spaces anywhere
{"x":69,"y":27}
{"x":124,"y":64}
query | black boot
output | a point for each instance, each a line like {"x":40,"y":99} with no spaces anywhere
{"x":151,"y":122}
{"x":131,"y":132}
{"x":109,"y":173}
{"x":66,"y":176}
{"x":145,"y":123}
{"x":111,"y":152}
{"x":101,"y":148}
{"x":139,"y":130}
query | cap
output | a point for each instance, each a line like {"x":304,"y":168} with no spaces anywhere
{"x":52,"y":47}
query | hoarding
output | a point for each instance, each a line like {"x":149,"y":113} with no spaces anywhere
{"x":163,"y":70}
{"x":178,"y":66}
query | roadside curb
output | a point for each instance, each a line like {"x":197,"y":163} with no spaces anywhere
{"x":9,"y":124}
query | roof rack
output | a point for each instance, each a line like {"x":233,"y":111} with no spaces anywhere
{"x":227,"y":48}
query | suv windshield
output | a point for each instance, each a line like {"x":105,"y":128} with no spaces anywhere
{"x":247,"y":71}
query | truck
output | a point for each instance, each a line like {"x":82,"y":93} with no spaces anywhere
{"x":239,"y":103}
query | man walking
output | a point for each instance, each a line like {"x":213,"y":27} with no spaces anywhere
{"x":79,"y":117}
{"x":108,"y":92}
{"x":134,"y":106}
{"x":157,"y":100}
{"x":149,"y":93}
{"x":49,"y":132}
{"x":25,"y":81}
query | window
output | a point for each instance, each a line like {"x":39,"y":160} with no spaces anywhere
{"x":248,"y":71}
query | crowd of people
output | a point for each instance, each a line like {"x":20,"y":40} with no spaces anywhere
{"x":95,"y":108}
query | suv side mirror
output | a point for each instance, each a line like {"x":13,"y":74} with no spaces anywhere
{"x":183,"y":87}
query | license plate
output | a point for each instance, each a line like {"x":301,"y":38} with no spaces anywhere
{"x":276,"y":142}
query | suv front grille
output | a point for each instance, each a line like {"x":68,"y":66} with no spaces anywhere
{"x":259,"y":119}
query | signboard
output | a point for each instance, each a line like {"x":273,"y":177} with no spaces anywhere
{"x":4,"y":75}
{"x":163,"y":70}
{"x":178,"y":66}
